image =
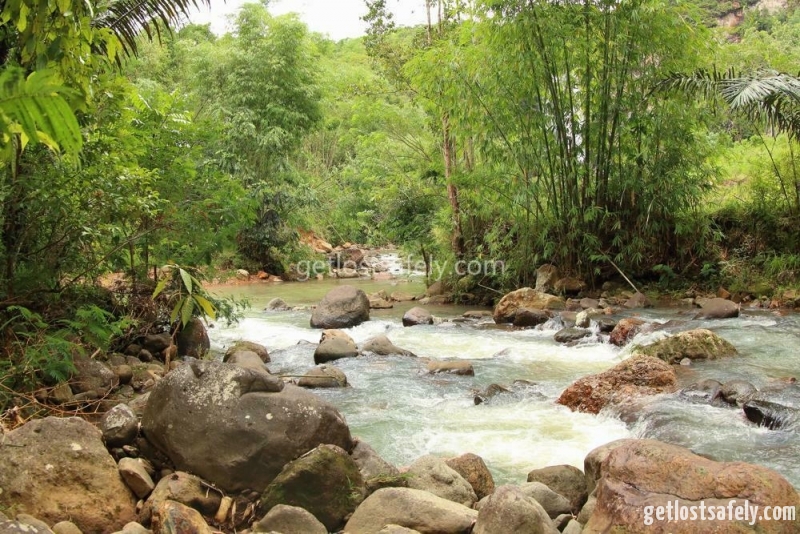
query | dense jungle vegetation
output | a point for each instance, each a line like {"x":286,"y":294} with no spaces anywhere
{"x":641,"y":134}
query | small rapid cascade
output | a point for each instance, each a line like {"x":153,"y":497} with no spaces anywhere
{"x":405,"y":413}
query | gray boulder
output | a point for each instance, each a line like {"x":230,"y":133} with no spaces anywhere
{"x":572,"y":334}
{"x":736,"y":391}
{"x":382,"y":346}
{"x":508,"y":509}
{"x":417,"y":316}
{"x":183,"y":488}
{"x":370,"y":463}
{"x":410,"y":508}
{"x":553,"y":503}
{"x":119,"y":426}
{"x":529,"y":317}
{"x":323,"y":376}
{"x":344,"y":306}
{"x":432,"y":474}
{"x":566,"y":480}
{"x":92,"y":376}
{"x":247,"y":359}
{"x":284,"y":518}
{"x":258,"y":348}
{"x":192,"y":339}
{"x":235,"y":427}
{"x":334,"y":345}
{"x":718,"y":308}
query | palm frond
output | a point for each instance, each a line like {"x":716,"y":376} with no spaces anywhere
{"x":129,"y":18}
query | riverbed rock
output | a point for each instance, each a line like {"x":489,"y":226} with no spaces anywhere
{"x":625,"y":330}
{"x":277,"y":304}
{"x":474,"y":470}
{"x":175,"y":518}
{"x":65,"y":527}
{"x":637,"y":376}
{"x":508,"y":509}
{"x":235,"y":427}
{"x":566,"y":480}
{"x":119,"y":426}
{"x":775,"y":409}
{"x":186,"y":489}
{"x":648,"y":472}
{"x":342,"y":307}
{"x":250,"y":346}
{"x":136,"y":477}
{"x":704,"y":391}
{"x":192,"y":339}
{"x":417,"y":316}
{"x":410,"y":508}
{"x":285,"y":519}
{"x":553,"y":503}
{"x":383,"y":346}
{"x":698,"y":344}
{"x":92,"y":376}
{"x":155,"y":343}
{"x":546,"y":277}
{"x":638,"y":300}
{"x":432,"y":474}
{"x":718,"y":308}
{"x":22,"y":527}
{"x":57,"y":469}
{"x":380,"y":304}
{"x":506,"y":309}
{"x":571,"y":335}
{"x":323,"y":376}
{"x":569,"y":286}
{"x":453,"y":367}
{"x":525,"y":317}
{"x":370,"y":463}
{"x":335,"y":345}
{"x":736,"y":392}
{"x":247,"y":359}
{"x":325,"y":481}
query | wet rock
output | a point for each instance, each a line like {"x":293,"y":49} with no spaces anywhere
{"x":625,"y":330}
{"x":323,"y":376}
{"x":566,"y":480}
{"x":312,"y":480}
{"x":571,"y":335}
{"x":192,"y":340}
{"x":342,"y":307}
{"x":491,"y":391}
{"x":775,"y":409}
{"x":380,"y":304}
{"x":655,"y":473}
{"x":410,"y":508}
{"x":235,"y":427}
{"x":186,"y":489}
{"x":175,"y":518}
{"x":637,"y":376}
{"x":284,"y":518}
{"x":276,"y":304}
{"x":736,"y":391}
{"x":334,"y":345}
{"x":699,"y":344}
{"x":59,"y":468}
{"x":718,"y":308}
{"x":638,"y":300}
{"x":417,"y":316}
{"x":242,"y":345}
{"x":526,"y":317}
{"x":382,"y":346}
{"x":432,"y":474}
{"x":370,"y":463}
{"x":119,"y":426}
{"x":553,"y":503}
{"x":507,"y":308}
{"x":704,"y":391}
{"x":606,"y":325}
{"x":508,"y":509}
{"x":473,"y":469}
{"x":136,"y":477}
{"x":454,"y":367}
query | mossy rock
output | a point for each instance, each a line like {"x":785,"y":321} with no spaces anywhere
{"x":325,"y":481}
{"x":699,"y":344}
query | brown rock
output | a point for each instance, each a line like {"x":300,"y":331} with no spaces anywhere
{"x":527,"y":317}
{"x":283,"y":518}
{"x":718,"y":308}
{"x":509,"y":510}
{"x":698,"y":344}
{"x":638,"y":300}
{"x":546,"y":277}
{"x":323,"y":376}
{"x":634,"y":377}
{"x":455,"y":367}
{"x":192,"y":340}
{"x":474,"y":470}
{"x":175,"y":518}
{"x":136,"y":477}
{"x":186,"y":489}
{"x":258,"y":348}
{"x":334,"y":345}
{"x":417,"y":316}
{"x":566,"y":480}
{"x":430,"y":473}
{"x":625,"y":330}
{"x":644,"y":473}
{"x":526,"y":297}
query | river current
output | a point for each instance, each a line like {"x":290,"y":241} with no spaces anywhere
{"x":405,"y":413}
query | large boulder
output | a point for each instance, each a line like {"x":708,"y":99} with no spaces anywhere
{"x":506,"y":309}
{"x":417,"y":316}
{"x":566,"y":480}
{"x":236,"y":427}
{"x":243,"y":345}
{"x":58,"y":469}
{"x":283,"y":518}
{"x":432,"y":474}
{"x":344,"y":306}
{"x":383,"y":346}
{"x":775,"y":409}
{"x":718,"y":308}
{"x":641,"y":475}
{"x":325,"y":482}
{"x":370,"y":463}
{"x":508,"y":509}
{"x":698,"y":344}
{"x":637,"y":376}
{"x":474,"y":470}
{"x":410,"y":508}
{"x":593,"y":466}
{"x":192,"y":339}
{"x":334,"y":345}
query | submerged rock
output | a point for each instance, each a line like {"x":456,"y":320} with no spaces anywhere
{"x":705,"y":391}
{"x":637,"y":376}
{"x":775,"y":409}
{"x":736,"y":391}
{"x":571,"y":335}
{"x":342,"y":307}
{"x":454,"y":367}
{"x":334,"y":345}
{"x":417,"y":316}
{"x":383,"y":346}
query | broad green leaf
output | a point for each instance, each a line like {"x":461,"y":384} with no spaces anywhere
{"x":186,"y":311}
{"x":187,"y":280}
{"x":175,"y":311}
{"x":160,"y":287}
{"x":206,"y":306}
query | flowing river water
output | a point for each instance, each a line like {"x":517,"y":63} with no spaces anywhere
{"x":405,"y":413}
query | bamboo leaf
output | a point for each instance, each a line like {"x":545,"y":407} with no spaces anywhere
{"x":187,"y":280}
{"x":206,"y":306}
{"x":160,"y":287}
{"x":186,"y":311}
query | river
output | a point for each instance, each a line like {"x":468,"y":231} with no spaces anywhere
{"x":405,"y":413}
